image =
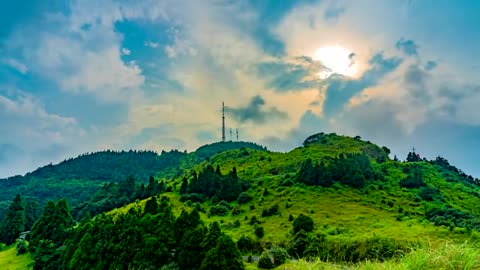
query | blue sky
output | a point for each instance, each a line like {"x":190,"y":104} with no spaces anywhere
{"x":82,"y":76}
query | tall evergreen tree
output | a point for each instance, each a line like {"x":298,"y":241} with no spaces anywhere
{"x":13,"y":223}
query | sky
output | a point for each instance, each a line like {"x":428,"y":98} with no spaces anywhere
{"x":88,"y":75}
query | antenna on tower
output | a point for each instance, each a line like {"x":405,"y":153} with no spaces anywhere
{"x":237,"y":135}
{"x":231,"y":139}
{"x":223,"y":121}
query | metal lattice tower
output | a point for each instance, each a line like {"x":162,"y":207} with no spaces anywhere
{"x":223,"y":121}
{"x":231,"y":138}
{"x":237,"y":135}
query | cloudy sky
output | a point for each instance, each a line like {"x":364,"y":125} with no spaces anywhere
{"x":87,"y":75}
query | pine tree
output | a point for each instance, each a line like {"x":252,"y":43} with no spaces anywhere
{"x":13,"y":223}
{"x":151,"y":206}
{"x":184,"y":187}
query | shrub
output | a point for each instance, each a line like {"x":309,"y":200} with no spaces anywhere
{"x":259,"y":231}
{"x":245,"y":244}
{"x":244,"y":198}
{"x":290,"y":217}
{"x":236,"y":224}
{"x":286,"y":183}
{"x":279,"y":255}
{"x":224,"y":203}
{"x":428,"y":194}
{"x":254,"y":220}
{"x":265,"y":192}
{"x":21,"y":248}
{"x":237,"y":210}
{"x":273,"y":210}
{"x":265,"y":261}
{"x":302,"y":222}
{"x":218,"y":210}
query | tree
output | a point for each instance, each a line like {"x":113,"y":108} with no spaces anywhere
{"x":224,"y":256}
{"x":184,"y":187}
{"x":302,"y":222}
{"x":151,"y":206}
{"x":13,"y":222}
{"x":190,"y":255}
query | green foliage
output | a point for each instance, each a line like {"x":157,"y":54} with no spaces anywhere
{"x":265,"y":261}
{"x":245,"y":244}
{"x":259,"y":231}
{"x":224,"y":256}
{"x":414,"y":179}
{"x":272,"y":210}
{"x":302,"y":222}
{"x":13,"y":223}
{"x":212,"y":183}
{"x":52,"y":225}
{"x":190,"y":255}
{"x":185,"y":222}
{"x":22,"y":247}
{"x":244,"y":198}
{"x":151,"y":206}
{"x":218,"y":210}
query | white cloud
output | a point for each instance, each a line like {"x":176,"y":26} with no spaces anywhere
{"x":126,"y":51}
{"x":151,"y":44}
{"x":20,"y":67}
{"x":39,"y":136}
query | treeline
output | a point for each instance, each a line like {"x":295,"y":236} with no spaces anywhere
{"x":149,"y":239}
{"x":212,"y":184}
{"x":110,"y":165}
{"x":352,"y":170}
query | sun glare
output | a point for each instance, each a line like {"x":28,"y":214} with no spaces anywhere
{"x":338,"y":59}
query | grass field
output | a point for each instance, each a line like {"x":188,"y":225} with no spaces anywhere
{"x":10,"y":261}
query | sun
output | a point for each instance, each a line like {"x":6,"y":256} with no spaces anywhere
{"x":337,"y":59}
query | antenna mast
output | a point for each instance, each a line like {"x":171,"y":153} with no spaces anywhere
{"x":231,"y":138}
{"x":237,"y":135}
{"x":223,"y":121}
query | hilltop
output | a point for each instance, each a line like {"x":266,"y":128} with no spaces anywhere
{"x":335,"y":199}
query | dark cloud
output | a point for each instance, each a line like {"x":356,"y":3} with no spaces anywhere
{"x":407,"y":46}
{"x":295,"y":76}
{"x":341,"y":89}
{"x":256,"y":112}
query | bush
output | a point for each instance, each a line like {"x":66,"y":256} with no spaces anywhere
{"x":259,"y":231}
{"x":279,"y":255}
{"x":224,"y":203}
{"x":245,"y":244}
{"x":22,"y":248}
{"x":273,"y":210}
{"x":428,"y":194}
{"x":237,"y":210}
{"x":265,"y":261}
{"x":302,"y":222}
{"x":290,"y":217}
{"x":286,"y":183}
{"x":253,"y":220}
{"x":218,"y":210}
{"x":244,"y":198}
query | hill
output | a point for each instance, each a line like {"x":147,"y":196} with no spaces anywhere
{"x":336,"y":200}
{"x":78,"y":178}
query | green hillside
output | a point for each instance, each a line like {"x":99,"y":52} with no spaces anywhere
{"x":78,"y":178}
{"x":336,"y":201}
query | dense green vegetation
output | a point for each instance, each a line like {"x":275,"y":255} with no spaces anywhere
{"x":78,"y":178}
{"x":335,"y":201}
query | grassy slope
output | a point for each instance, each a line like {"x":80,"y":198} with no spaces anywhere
{"x":356,"y":213}
{"x":10,"y":261}
{"x":345,"y":212}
